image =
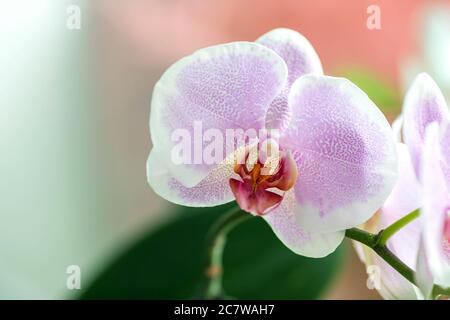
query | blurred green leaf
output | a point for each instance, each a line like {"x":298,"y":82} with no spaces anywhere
{"x":169,"y":263}
{"x":378,"y":89}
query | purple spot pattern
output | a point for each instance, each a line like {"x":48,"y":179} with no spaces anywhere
{"x":338,"y":146}
{"x":231,"y":90}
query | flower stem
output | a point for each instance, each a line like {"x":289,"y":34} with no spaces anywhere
{"x":373,"y":242}
{"x":378,"y":243}
{"x":387,"y":233}
{"x":216,"y":242}
{"x":439,"y":292}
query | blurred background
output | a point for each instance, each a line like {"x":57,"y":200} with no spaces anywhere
{"x":74,"y":110}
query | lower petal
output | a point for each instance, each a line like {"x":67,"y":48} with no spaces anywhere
{"x":285,"y":226}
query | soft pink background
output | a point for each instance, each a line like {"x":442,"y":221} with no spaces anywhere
{"x":160,"y":32}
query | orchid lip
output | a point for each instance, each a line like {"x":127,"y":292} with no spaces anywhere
{"x":261,"y":186}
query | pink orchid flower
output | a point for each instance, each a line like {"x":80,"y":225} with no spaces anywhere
{"x":337,"y":160}
{"x":433,"y":260}
{"x":423,"y":183}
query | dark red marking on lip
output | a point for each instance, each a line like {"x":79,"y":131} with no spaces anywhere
{"x":251,"y":191}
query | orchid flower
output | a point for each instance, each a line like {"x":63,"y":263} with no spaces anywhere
{"x":433,"y":265}
{"x":423,"y":183}
{"x":336,"y":162}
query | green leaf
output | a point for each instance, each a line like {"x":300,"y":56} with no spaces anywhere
{"x":169,"y":263}
{"x":376,"y":87}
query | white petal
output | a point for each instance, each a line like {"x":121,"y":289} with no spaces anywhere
{"x":285,"y":226}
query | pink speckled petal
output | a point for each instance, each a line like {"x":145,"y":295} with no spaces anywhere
{"x":300,"y":58}
{"x":226,"y":86}
{"x":345,"y":152}
{"x":213,"y":190}
{"x":424,"y":104}
{"x":296,"y":51}
{"x":436,"y":198}
{"x":287,"y":229}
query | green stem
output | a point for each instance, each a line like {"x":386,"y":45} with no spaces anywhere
{"x":373,"y":242}
{"x":439,"y":291}
{"x":387,"y":233}
{"x":216,"y":243}
{"x":377,"y":242}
